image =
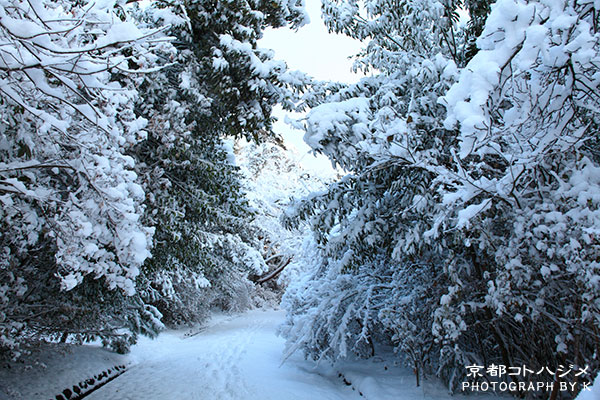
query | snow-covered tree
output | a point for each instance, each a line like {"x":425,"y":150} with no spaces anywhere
{"x":71,"y":204}
{"x":118,"y":139}
{"x":526,"y":185}
{"x":377,"y":276}
{"x":217,"y":85}
{"x":467,"y":221}
{"x":273,"y":178}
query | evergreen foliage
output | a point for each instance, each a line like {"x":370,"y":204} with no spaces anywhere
{"x":217,"y":85}
{"x":122,"y":206}
{"x":464,"y":232}
{"x":70,"y":201}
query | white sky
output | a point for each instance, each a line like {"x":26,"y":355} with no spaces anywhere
{"x":312,"y":49}
{"x":318,"y":53}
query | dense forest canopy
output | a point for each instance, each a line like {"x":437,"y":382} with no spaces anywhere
{"x":464,"y":230}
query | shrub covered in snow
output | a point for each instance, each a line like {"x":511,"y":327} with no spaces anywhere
{"x":465,"y":231}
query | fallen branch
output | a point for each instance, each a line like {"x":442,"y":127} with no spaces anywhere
{"x":284,"y":263}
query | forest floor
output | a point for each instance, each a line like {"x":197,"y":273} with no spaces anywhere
{"x":233,"y":357}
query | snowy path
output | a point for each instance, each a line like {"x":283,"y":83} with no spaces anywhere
{"x":235,"y":358}
{"x":239,"y":358}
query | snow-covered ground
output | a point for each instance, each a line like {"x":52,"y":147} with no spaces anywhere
{"x":239,"y":357}
{"x":235,"y":357}
{"x":49,"y":371}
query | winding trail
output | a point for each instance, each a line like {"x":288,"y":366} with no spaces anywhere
{"x":235,"y":358}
